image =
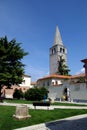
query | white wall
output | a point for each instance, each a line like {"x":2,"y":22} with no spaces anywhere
{"x":49,"y":82}
{"x":56,"y":81}
{"x":26,"y":81}
{"x":77,"y":91}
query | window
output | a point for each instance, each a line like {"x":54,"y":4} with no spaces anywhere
{"x":56,"y":83}
{"x":54,"y":50}
{"x":60,"y":49}
{"x":63,"y":50}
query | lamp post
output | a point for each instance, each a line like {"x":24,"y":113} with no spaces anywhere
{"x":85,"y":66}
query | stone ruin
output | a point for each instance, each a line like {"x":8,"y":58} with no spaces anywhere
{"x":21,"y":112}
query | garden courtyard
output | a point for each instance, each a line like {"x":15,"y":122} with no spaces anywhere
{"x":8,"y":107}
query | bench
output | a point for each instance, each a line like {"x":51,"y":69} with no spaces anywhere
{"x":1,"y":99}
{"x":47,"y":104}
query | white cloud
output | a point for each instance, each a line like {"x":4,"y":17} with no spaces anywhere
{"x":82,"y":70}
{"x":35,"y":73}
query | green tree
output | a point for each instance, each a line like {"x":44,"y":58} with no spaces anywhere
{"x":62,"y":68}
{"x":35,"y":94}
{"x":44,"y":92}
{"x":81,"y":80}
{"x":18,"y":94}
{"x":11,"y":67}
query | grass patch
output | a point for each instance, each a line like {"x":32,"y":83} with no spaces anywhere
{"x":18,"y":101}
{"x":38,"y":116}
{"x":67,"y":104}
{"x":55,"y":103}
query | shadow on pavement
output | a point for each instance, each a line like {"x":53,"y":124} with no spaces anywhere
{"x":77,"y":124}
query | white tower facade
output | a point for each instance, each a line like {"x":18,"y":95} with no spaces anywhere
{"x":56,"y":51}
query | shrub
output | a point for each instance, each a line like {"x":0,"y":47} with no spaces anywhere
{"x":44,"y":92}
{"x":35,"y":94}
{"x":81,"y":80}
{"x":18,"y":94}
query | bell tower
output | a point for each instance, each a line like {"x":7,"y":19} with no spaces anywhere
{"x":56,"y":51}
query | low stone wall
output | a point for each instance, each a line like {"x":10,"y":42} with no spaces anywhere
{"x":78,"y":91}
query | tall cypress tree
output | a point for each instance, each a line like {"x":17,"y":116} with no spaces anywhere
{"x":11,"y":67}
{"x":62,"y":68}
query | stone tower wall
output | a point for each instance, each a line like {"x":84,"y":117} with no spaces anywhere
{"x":56,"y":51}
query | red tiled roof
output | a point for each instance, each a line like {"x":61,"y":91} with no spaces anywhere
{"x":55,"y":76}
{"x":62,"y":76}
{"x":33,"y":83}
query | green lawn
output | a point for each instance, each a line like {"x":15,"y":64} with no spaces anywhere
{"x":67,"y":104}
{"x":55,"y":103}
{"x":7,"y":122}
{"x":18,"y":101}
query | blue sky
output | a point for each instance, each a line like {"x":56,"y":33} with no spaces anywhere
{"x":33,"y":23}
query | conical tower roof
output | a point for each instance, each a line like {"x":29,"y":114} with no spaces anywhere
{"x":57,"y":39}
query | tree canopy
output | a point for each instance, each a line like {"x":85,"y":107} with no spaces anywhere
{"x":62,"y":67}
{"x":11,"y":66}
{"x":36,"y":94}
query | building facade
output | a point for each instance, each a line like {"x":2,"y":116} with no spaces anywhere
{"x":62,"y":87}
{"x":52,"y":80}
{"x":68,"y":88}
{"x":56,"y":51}
{"x":24,"y":86}
{"x":26,"y":81}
